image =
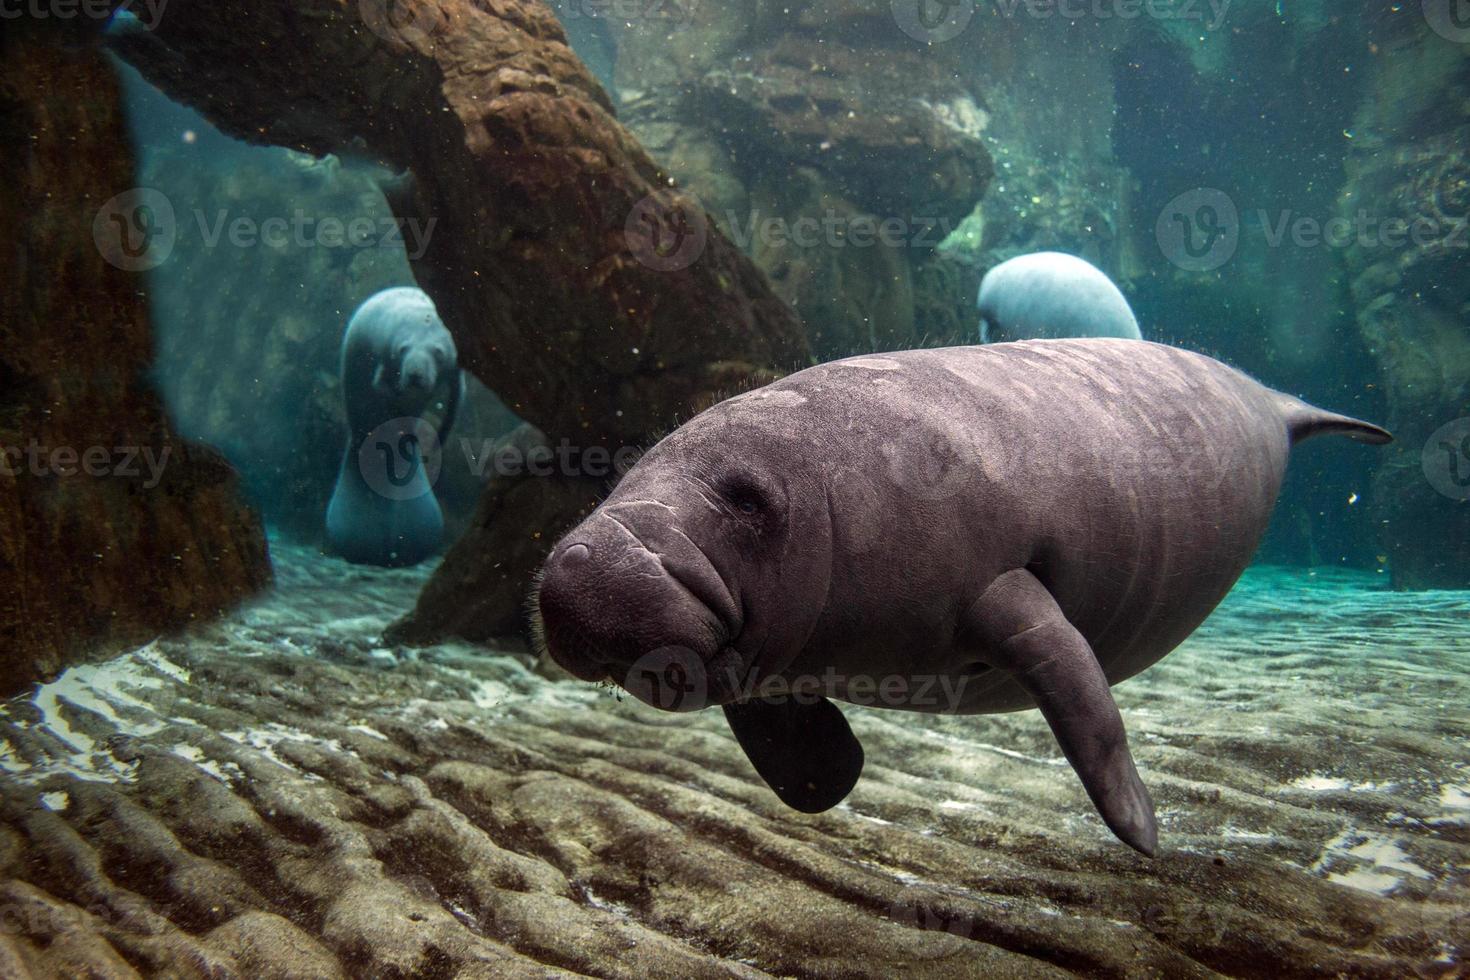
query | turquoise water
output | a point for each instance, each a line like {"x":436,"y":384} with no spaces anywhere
{"x":244,"y":755}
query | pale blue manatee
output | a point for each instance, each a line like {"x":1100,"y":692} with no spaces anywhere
{"x":1052,"y":296}
{"x":396,"y":355}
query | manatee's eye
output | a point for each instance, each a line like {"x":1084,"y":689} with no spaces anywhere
{"x":745,"y":497}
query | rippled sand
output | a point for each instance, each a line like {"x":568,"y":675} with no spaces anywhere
{"x":278,"y":795}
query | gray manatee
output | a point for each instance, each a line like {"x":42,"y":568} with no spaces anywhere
{"x":396,"y":355}
{"x":970,"y":530}
{"x":1049,"y":296}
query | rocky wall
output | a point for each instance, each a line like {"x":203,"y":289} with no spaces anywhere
{"x":250,"y":316}
{"x":557,"y":260}
{"x":113,"y":529}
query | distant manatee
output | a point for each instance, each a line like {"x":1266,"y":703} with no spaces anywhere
{"x":1052,"y":296}
{"x":395,"y":355}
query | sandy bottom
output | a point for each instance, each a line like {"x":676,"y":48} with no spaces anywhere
{"x":279,"y":795}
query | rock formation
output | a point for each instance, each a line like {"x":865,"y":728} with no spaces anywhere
{"x":1407,"y":198}
{"x":554,"y":260}
{"x":249,"y":324}
{"x":112,"y":528}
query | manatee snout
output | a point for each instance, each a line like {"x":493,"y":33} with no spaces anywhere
{"x":613,"y":605}
{"x":418,"y":372}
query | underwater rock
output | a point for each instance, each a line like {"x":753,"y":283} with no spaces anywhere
{"x":255,"y":372}
{"x":554,"y":303}
{"x":112,"y":528}
{"x":853,"y":299}
{"x":1070,"y":203}
{"x":1407,"y":200}
{"x":281,"y":795}
{"x":553,"y":260}
{"x":899,"y":135}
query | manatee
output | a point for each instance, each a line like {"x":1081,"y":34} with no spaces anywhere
{"x":969,"y":530}
{"x":396,"y":355}
{"x":1052,"y":295}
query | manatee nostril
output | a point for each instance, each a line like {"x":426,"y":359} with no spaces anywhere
{"x":577,"y":552}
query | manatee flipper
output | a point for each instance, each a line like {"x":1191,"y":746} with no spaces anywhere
{"x":1025,"y":632}
{"x":806,"y":752}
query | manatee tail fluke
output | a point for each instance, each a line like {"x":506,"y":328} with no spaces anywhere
{"x":1304,"y":421}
